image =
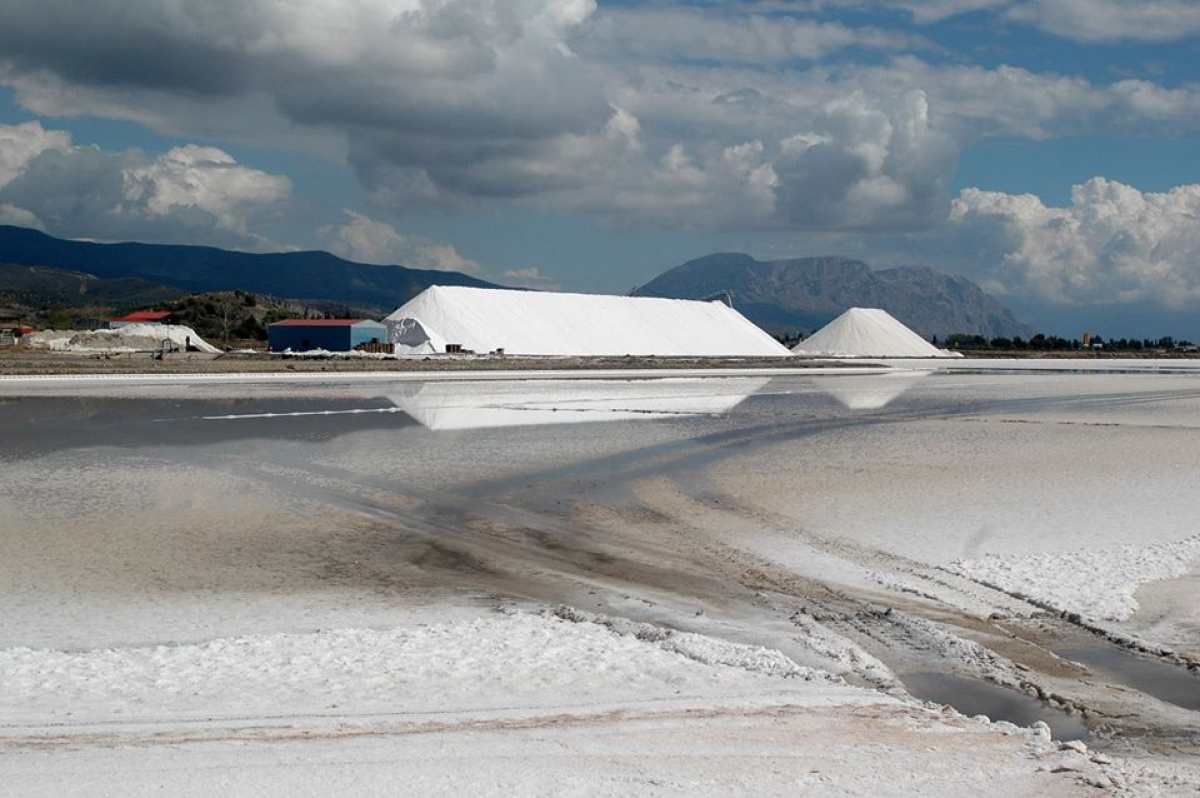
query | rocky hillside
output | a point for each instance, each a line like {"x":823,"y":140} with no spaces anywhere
{"x":804,"y":294}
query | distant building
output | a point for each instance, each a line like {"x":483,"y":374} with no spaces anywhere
{"x":334,"y":335}
{"x":144,"y":317}
{"x":11,"y":334}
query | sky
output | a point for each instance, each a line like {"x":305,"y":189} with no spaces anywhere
{"x":1047,"y":149}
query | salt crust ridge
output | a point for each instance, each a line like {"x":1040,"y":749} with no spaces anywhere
{"x":1114,"y":575}
{"x":705,"y":650}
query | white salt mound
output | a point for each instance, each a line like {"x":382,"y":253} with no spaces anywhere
{"x":130,"y":338}
{"x":866,"y":332}
{"x":543,"y":323}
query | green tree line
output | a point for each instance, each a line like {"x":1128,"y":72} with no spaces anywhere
{"x":1054,"y":343}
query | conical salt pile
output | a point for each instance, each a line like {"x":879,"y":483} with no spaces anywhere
{"x":866,"y":332}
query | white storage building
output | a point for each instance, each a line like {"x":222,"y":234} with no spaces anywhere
{"x":486,"y":320}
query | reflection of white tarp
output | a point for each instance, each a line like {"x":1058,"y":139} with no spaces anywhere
{"x":541,"y":323}
{"x":474,"y":405}
{"x":866,"y":332}
{"x":869,"y":391}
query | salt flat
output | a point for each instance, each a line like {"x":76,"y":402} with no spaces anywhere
{"x":720,"y":589}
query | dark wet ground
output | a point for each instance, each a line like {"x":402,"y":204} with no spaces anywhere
{"x":1164,"y":681}
{"x":975,"y":697}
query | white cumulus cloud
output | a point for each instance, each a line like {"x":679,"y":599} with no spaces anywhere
{"x":20,"y":144}
{"x":729,"y":36}
{"x":205,"y":178}
{"x":367,"y":240}
{"x":19,"y":217}
{"x":867,"y":164}
{"x":188,"y":194}
{"x":1078,"y":20}
{"x":1112,"y":244}
{"x":1111,"y":20}
{"x":528,"y":277}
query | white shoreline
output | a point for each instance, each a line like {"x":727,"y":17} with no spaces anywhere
{"x":515,"y":375}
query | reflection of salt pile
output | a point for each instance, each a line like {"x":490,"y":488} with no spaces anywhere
{"x":866,"y":332}
{"x":474,"y":405}
{"x":869,"y":391}
{"x":130,"y":338}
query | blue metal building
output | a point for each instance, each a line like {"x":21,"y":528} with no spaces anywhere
{"x":335,"y":335}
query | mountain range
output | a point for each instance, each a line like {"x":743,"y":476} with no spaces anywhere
{"x":782,"y":296}
{"x":804,"y":294}
{"x":297,"y":275}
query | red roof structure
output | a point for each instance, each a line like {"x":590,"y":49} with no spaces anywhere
{"x":146,"y":317}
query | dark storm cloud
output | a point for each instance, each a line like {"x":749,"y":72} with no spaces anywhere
{"x":468,"y":93}
{"x":191,"y":47}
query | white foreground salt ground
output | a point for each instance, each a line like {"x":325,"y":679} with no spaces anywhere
{"x":190,"y":618}
{"x":129,"y":338}
{"x":511,"y":664}
{"x":501,"y":705}
{"x":544,"y":323}
{"x":1114,"y":575}
{"x":867,"y":332}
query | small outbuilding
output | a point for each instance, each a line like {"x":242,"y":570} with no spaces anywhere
{"x":11,"y":336}
{"x":333,"y":335}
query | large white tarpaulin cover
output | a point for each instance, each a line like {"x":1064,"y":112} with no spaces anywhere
{"x":866,"y":332}
{"x":542,"y":323}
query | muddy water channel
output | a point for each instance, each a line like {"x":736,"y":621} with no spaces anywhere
{"x":819,"y":515}
{"x":974,"y":697}
{"x":1164,"y":681}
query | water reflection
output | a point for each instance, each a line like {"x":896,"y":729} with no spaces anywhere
{"x":975,"y":697}
{"x":478,"y":405}
{"x":1169,"y":683}
{"x":37,"y":426}
{"x":869,"y":391}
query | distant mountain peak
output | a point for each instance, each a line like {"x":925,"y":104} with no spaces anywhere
{"x":804,"y":294}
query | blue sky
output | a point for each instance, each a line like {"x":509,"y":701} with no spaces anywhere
{"x":1047,"y":149}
